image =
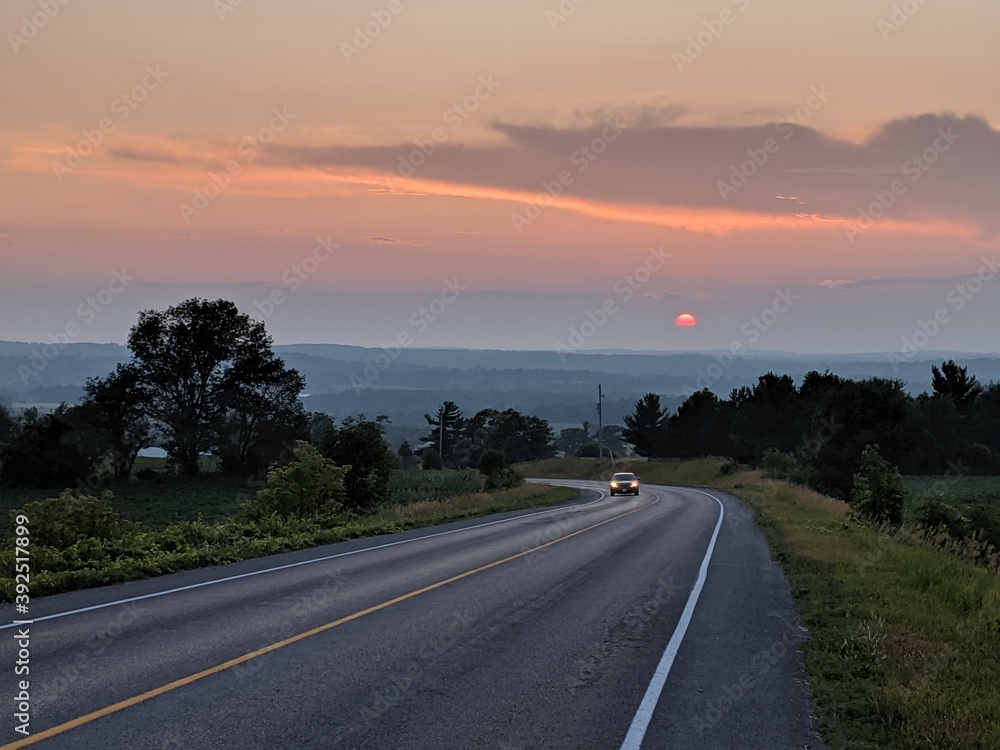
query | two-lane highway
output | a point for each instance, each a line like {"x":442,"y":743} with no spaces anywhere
{"x":650,"y":621}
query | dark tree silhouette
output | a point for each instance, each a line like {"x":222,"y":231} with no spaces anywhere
{"x":645,"y":427}
{"x":118,"y":404}
{"x":446,"y":422}
{"x":360,"y":445}
{"x":206,"y":369}
{"x":954,"y":381}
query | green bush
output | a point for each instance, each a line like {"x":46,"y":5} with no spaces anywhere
{"x":64,"y":520}
{"x":877,"y":494}
{"x":491,"y":462}
{"x":309,"y":486}
{"x":937,"y":514}
{"x":505,"y":479}
{"x":781,"y":466}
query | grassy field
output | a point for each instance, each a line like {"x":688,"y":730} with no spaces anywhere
{"x":134,"y":552}
{"x":904,"y":646}
{"x":976,"y":498}
{"x":157,"y":505}
{"x":417,"y":485}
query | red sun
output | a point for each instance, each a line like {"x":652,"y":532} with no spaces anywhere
{"x":686,"y":320}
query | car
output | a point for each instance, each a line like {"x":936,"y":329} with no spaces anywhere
{"x":624,"y":482}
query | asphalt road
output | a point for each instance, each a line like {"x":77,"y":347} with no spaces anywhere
{"x":656,"y":621}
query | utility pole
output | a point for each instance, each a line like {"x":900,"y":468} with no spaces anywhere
{"x":600,"y":422}
{"x":441,"y":436}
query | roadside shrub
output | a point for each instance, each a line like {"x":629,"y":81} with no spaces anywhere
{"x":877,"y":494}
{"x":781,"y":466}
{"x":505,"y":479}
{"x":934,"y":513}
{"x":491,"y":462}
{"x":729,"y":467}
{"x":986,"y":520}
{"x":67,"y":519}
{"x":309,"y":486}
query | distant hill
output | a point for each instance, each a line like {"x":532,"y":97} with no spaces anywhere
{"x":404,"y":385}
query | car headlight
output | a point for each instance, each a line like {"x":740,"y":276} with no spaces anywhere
{"x":634,"y":484}
{"x":614,"y":484}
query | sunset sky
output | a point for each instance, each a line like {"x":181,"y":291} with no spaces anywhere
{"x":800,"y":176}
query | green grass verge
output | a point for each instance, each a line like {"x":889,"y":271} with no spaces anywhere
{"x":194,"y":544}
{"x":904,"y":645}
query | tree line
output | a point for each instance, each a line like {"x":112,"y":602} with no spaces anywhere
{"x":204,"y":384}
{"x":816,"y":431}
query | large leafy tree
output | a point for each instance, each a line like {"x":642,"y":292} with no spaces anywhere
{"x":359,"y":444}
{"x":207,"y":373}
{"x":646,"y":427}
{"x":45,"y":453}
{"x":768,"y":415}
{"x":116,"y":403}
{"x":263,"y":416}
{"x":572,"y":439}
{"x":519,"y":437}
{"x":852,"y":415}
{"x":701,"y":427}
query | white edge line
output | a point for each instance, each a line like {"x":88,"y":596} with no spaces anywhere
{"x":643,"y":714}
{"x":227,"y":579}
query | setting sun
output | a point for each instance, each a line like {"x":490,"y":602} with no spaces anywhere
{"x":686,"y":320}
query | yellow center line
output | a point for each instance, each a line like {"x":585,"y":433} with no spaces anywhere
{"x":141,"y":698}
